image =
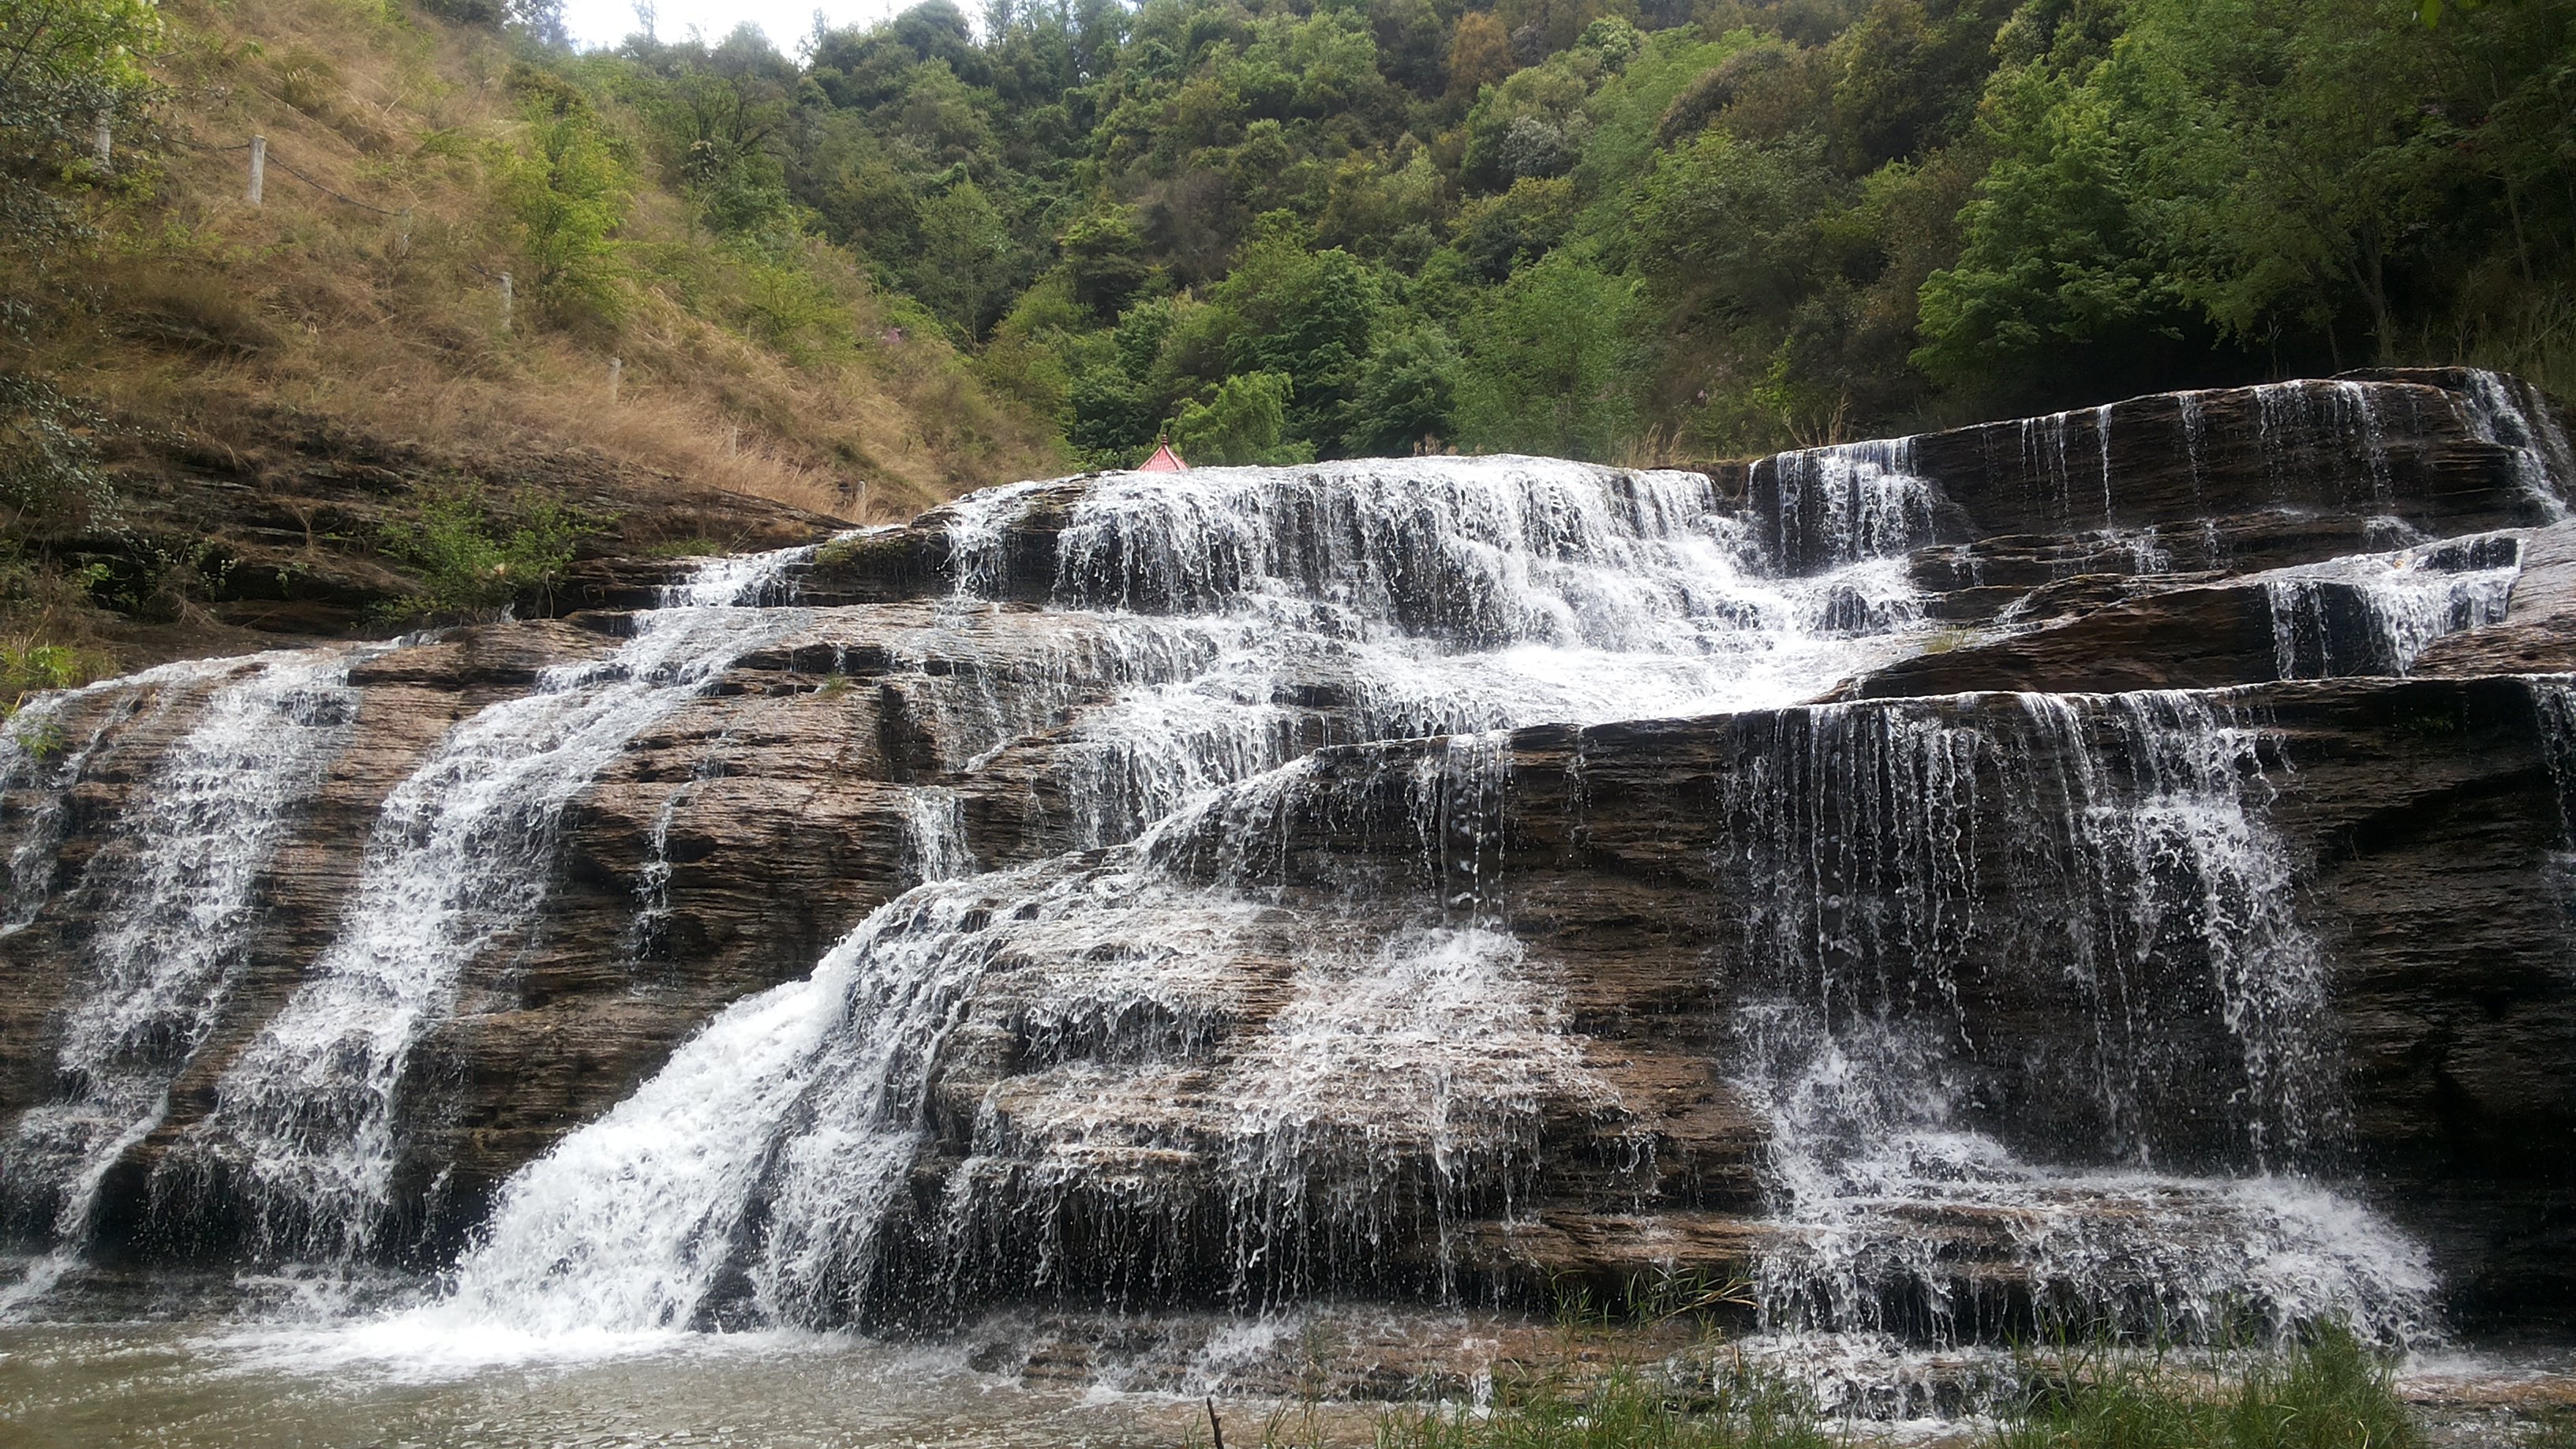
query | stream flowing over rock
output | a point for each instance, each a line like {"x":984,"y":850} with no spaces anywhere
{"x":2111,"y":869}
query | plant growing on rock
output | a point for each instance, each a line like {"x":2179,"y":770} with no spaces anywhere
{"x":473,"y":567}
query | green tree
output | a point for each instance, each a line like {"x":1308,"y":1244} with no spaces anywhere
{"x":2057,"y":258}
{"x":964,"y":271}
{"x":2288,"y":197}
{"x":1407,"y":395}
{"x":722,"y":117}
{"x":1104,"y":260}
{"x":566,"y":190}
{"x":1241,"y":420}
{"x":65,"y":65}
{"x":1739,"y":228}
{"x":1553,"y":363}
{"x":1307,"y":316}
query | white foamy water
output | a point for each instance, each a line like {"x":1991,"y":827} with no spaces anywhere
{"x":2375,"y":613}
{"x":2543,"y":459}
{"x":626,"y":1225}
{"x":1846,"y":503}
{"x":755,"y":1179}
{"x":762,"y":1177}
{"x":1224,"y":1056}
{"x":305,"y":1116}
{"x":174,"y":892}
{"x":1418,"y":596}
{"x":46,"y":745}
{"x":1901,"y":1206}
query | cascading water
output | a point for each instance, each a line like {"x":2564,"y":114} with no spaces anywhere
{"x":1979,"y":1014}
{"x":44,"y":748}
{"x":773,"y":1171}
{"x":1916,"y":875}
{"x":2048,"y":456}
{"x":2344,"y":414}
{"x":2375,"y":613}
{"x":176,"y":892}
{"x":762,"y":1176}
{"x":1393,"y":599}
{"x":1847,"y":503}
{"x":2543,"y":458}
{"x":305,"y":1115}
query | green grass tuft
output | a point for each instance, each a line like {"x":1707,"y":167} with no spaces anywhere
{"x":2331,"y":1392}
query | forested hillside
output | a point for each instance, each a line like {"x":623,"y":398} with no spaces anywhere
{"x":222,"y":420}
{"x":1610,"y":228}
{"x":949,"y":249}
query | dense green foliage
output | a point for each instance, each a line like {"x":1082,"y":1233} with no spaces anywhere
{"x":1614,"y":227}
{"x":66,"y":67}
{"x":473,"y":566}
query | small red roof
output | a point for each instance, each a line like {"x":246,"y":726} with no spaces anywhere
{"x":1163,"y":461}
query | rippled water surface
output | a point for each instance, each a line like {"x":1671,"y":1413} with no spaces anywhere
{"x":1014,"y":1382}
{"x":179,"y":1387}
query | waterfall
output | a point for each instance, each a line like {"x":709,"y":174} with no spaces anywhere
{"x":2343,"y":414}
{"x":937,"y":821}
{"x":761,"y":1176}
{"x":2374,"y":613}
{"x":1913,"y":877}
{"x":2048,"y":456}
{"x":1359,"y":879}
{"x":2194,"y":419}
{"x":1401,"y":598}
{"x":1847,"y":503}
{"x":2553,"y":705}
{"x":2543,"y":458}
{"x":305,"y":1116}
{"x":45,"y":746}
{"x":175,"y":891}
{"x":1478,"y":552}
{"x":629,"y":1223}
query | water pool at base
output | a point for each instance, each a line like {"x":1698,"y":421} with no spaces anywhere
{"x":1014,"y":1382}
{"x":182,"y":1388}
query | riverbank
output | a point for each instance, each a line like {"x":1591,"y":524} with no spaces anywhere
{"x":1319,"y":1379}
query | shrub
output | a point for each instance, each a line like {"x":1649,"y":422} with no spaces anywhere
{"x":472,"y":567}
{"x":567,"y":191}
{"x":1240,"y":421}
{"x":49,"y":463}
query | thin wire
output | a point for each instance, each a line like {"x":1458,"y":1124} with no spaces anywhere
{"x":273,"y":160}
{"x":325,"y":190}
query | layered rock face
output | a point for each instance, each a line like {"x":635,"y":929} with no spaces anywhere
{"x":2105,"y":866}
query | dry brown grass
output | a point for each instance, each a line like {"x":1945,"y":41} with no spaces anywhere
{"x":201,"y":309}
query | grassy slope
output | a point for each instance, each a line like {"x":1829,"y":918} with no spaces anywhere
{"x":779,"y":378}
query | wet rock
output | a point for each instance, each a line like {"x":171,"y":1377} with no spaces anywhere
{"x":1558,"y":951}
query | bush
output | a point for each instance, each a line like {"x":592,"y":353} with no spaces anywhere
{"x":49,"y":463}
{"x":1240,"y":421}
{"x":63,"y":67}
{"x":567,"y":190}
{"x":30,"y":666}
{"x":1553,"y":366}
{"x":472,"y":567}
